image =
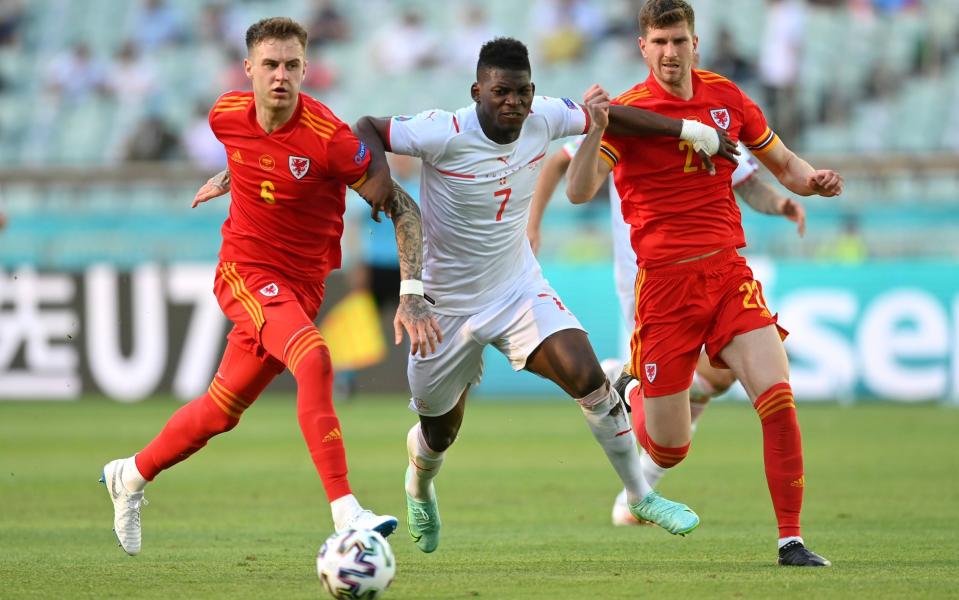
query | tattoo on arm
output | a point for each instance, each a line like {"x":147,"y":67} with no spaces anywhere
{"x":222,"y":179}
{"x":409,"y":233}
{"x":760,"y":196}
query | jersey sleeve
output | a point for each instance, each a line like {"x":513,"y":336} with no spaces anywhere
{"x":227,"y":105}
{"x":747,"y":166}
{"x":424,"y":135}
{"x":347,"y":158}
{"x":563,"y":116}
{"x":755,"y":133}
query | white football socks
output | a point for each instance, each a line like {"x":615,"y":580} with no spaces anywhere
{"x":424,"y":464}
{"x":130,"y":476}
{"x":343,"y":508}
{"x":607,"y":418}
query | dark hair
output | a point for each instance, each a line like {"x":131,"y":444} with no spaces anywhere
{"x":658,"y":14}
{"x":503,"y":53}
{"x":274,"y":28}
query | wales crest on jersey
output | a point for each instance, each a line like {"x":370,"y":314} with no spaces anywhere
{"x":720,"y":117}
{"x":299,"y":166}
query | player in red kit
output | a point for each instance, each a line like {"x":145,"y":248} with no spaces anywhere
{"x":693,"y":288}
{"x":290,"y":159}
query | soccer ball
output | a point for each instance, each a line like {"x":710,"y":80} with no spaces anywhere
{"x":356,"y":563}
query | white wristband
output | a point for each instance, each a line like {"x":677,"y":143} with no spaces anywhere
{"x":703,"y":137}
{"x":412,"y":287}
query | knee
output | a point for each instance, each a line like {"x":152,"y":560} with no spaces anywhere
{"x":218,"y":420}
{"x":722,"y":381}
{"x":440,"y":438}
{"x":315,"y":363}
{"x":587,"y":381}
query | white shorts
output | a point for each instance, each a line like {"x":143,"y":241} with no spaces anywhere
{"x":516,"y":327}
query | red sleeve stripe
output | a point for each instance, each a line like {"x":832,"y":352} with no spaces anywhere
{"x":589,"y":121}
{"x":389,"y":135}
{"x":452,"y":174}
{"x":456,"y":124}
{"x":535,"y":159}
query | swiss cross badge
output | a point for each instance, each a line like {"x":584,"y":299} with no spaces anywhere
{"x":299,"y":165}
{"x":650,"y":372}
{"x":720,"y":117}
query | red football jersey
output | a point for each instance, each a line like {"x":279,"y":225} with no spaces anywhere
{"x":288,"y":186}
{"x":675,"y":208}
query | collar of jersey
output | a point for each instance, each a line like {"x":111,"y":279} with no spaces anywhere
{"x":657,"y":90}
{"x":479,"y":126}
{"x":282,"y":129}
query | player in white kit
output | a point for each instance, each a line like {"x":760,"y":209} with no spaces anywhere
{"x":708,"y":381}
{"x":480,"y":165}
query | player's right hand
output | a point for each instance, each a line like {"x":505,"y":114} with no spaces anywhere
{"x":213,"y":188}
{"x":596,"y":100}
{"x":414,"y":315}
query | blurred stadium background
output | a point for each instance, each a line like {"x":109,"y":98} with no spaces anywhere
{"x":105,"y":273}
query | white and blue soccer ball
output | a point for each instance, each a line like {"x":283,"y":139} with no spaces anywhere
{"x":356,"y":564}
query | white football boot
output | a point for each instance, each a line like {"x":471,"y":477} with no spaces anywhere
{"x":126,"y":507}
{"x":367,"y":519}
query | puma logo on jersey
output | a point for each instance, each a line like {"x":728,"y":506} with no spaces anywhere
{"x":333,"y":435}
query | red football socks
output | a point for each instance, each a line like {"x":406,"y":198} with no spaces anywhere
{"x":309,"y":360}
{"x":782,"y":453}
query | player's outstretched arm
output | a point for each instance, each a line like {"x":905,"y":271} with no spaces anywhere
{"x":797,"y":175}
{"x":763,"y":198}
{"x":587,"y":170}
{"x":214,"y":187}
{"x":375,"y":132}
{"x":632,"y":121}
{"x":413,"y":313}
{"x":546,"y":183}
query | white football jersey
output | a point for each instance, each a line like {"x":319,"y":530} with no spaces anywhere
{"x":475,"y":198}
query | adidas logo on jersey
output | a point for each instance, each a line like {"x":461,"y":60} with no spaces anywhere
{"x":334,"y":435}
{"x":236,"y":157}
{"x":799,"y":483}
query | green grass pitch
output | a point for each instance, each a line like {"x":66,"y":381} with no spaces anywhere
{"x":525,"y":497}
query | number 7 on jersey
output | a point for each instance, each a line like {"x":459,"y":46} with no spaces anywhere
{"x":505,"y":193}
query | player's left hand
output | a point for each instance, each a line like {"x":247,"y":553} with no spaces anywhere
{"x":795,"y":212}
{"x":378,"y":193}
{"x":214,"y":187}
{"x":825,"y":182}
{"x":414,"y":315}
{"x":596,"y":101}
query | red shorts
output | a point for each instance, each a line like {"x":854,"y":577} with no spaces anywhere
{"x":251,"y":296}
{"x":681,"y":307}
